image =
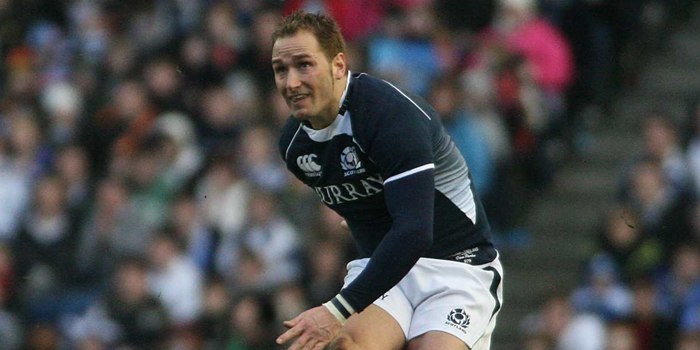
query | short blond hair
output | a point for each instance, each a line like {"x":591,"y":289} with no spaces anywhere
{"x":323,"y":27}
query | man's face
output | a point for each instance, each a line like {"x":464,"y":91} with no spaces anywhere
{"x":304,"y":76}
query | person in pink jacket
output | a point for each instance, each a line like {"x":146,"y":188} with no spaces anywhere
{"x":539,"y":42}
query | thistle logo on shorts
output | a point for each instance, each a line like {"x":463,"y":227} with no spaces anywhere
{"x":458,"y":319}
{"x":308,"y":165}
{"x":350,"y":162}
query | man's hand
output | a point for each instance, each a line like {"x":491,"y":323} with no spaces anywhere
{"x":313,"y":329}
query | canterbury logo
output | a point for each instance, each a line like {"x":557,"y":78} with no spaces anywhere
{"x":308,"y":165}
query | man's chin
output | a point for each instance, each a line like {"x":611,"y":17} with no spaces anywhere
{"x":300,"y":114}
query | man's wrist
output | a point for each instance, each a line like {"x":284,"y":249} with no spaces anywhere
{"x":340,"y":308}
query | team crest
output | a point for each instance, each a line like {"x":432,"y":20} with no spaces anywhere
{"x":350,"y":162}
{"x":459,"y":319}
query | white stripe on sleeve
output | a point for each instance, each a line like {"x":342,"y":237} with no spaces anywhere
{"x":410,"y":172}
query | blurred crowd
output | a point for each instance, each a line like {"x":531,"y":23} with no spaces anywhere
{"x":143,"y":202}
{"x":640,"y":287}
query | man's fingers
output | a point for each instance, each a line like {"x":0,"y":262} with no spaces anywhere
{"x":291,"y":323}
{"x":300,"y":344}
{"x":292,"y":332}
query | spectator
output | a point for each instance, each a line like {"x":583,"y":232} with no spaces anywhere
{"x":603,"y":294}
{"x":15,"y":189}
{"x":116,"y":129}
{"x":566,"y":330}
{"x":662,"y":144}
{"x":250,"y":319}
{"x":623,"y":241}
{"x":153,"y":182}
{"x":106,"y":233}
{"x":175,"y":279}
{"x":72,"y":166}
{"x":163,"y":83}
{"x":43,"y":336}
{"x":678,"y":288}
{"x":260,"y":159}
{"x":199,"y":239}
{"x":10,"y":330}
{"x":688,"y":341}
{"x":223,"y":195}
{"x":44,"y":246}
{"x":227,"y":35}
{"x":256,"y":57}
{"x":63,"y":103}
{"x":663,"y":212}
{"x":543,"y":46}
{"x":621,"y":337}
{"x":689,"y":258}
{"x":129,"y":315}
{"x":270,"y":238}
{"x":31,"y":156}
{"x":405,"y":42}
{"x":220,"y":122}
{"x":693,"y":146}
{"x":213,"y":321}
{"x":652,"y":330}
{"x":179,"y":147}
{"x":548,"y":63}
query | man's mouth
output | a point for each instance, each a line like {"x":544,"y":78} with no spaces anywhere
{"x":297,"y":98}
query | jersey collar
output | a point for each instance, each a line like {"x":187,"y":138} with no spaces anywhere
{"x":343,"y":98}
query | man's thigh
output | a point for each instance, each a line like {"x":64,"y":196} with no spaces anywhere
{"x":371,"y":329}
{"x":436,"y":340}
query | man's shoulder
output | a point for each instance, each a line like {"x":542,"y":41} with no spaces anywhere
{"x":373,"y":98}
{"x":370,"y":89}
{"x":368,"y":85}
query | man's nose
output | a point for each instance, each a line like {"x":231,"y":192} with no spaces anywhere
{"x":293,"y":80}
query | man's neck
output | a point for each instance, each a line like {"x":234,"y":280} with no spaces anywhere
{"x":329,"y":116}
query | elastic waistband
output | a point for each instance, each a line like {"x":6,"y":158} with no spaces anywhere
{"x":478,"y":255}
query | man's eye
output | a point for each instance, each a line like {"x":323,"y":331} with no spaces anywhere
{"x":304,"y":65}
{"x":280,"y":70}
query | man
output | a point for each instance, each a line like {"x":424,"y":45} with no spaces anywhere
{"x":429,"y":277}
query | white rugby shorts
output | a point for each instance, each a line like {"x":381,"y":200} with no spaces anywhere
{"x":444,"y":295}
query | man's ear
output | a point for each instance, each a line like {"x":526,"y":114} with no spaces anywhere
{"x":340,"y":66}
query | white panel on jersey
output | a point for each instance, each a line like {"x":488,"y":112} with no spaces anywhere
{"x":448,"y":169}
{"x":341,"y":125}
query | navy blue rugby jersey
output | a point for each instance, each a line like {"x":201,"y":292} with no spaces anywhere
{"x":382,"y":135}
{"x":389,"y":168}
